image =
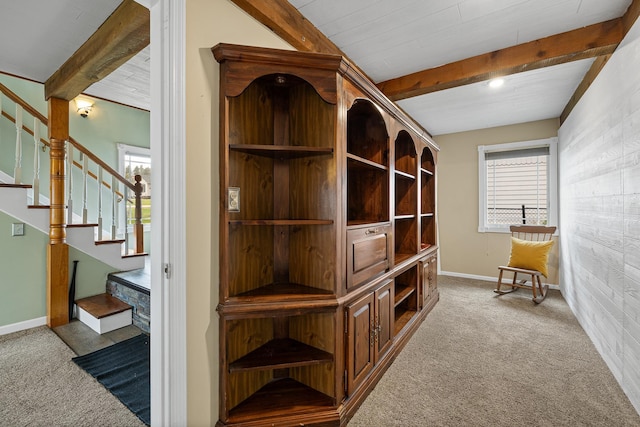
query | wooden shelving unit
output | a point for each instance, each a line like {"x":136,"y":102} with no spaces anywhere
{"x":327,"y":194}
{"x":406,"y":198}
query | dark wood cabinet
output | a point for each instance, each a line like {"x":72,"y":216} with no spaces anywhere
{"x":327,"y":213}
{"x":429,"y":280}
{"x":369,"y":333}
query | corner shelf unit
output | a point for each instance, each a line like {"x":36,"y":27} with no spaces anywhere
{"x":327,"y":198}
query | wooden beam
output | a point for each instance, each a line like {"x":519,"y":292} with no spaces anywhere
{"x":628,"y":19}
{"x":630,"y":16}
{"x":285,"y":20}
{"x":597,"y":65}
{"x":119,"y":38}
{"x":588,"y":42}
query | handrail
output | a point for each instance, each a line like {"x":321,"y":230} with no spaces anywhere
{"x":135,"y":187}
{"x":84,"y":151}
{"x":101,"y":163}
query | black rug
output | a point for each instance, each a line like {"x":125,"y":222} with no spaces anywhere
{"x":123,"y":369}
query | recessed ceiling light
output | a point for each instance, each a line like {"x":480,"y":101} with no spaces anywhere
{"x":495,"y":83}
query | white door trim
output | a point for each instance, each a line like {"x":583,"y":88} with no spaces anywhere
{"x":168,"y":297}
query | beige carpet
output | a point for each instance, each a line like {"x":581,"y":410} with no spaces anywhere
{"x":41,"y":386}
{"x":483,"y":360}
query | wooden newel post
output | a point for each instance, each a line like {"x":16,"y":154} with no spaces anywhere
{"x":57,"y":228}
{"x":57,"y":250}
{"x":139,"y":228}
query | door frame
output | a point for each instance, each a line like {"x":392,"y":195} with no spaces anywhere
{"x":168,"y":257}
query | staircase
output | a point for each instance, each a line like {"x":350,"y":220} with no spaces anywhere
{"x":90,"y":189}
{"x":14,"y":202}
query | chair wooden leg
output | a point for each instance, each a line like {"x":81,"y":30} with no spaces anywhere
{"x":544,"y":290}
{"x":533,"y":286}
{"x":501,"y":292}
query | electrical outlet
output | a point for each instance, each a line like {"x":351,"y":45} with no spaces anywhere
{"x":17,"y":229}
{"x":234,"y":199}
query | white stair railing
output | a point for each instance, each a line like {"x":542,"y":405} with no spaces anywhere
{"x":88,"y":166}
{"x":17,"y":170}
{"x":36,"y":162}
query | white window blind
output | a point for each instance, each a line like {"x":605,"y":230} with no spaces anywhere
{"x":517,"y":183}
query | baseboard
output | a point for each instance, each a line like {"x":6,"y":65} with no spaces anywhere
{"x":21,"y":326}
{"x":485,"y":278}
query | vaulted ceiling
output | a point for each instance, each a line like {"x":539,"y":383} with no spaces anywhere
{"x":433,"y":57}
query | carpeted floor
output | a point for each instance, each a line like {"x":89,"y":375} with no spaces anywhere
{"x":483,"y":360}
{"x":41,"y":387}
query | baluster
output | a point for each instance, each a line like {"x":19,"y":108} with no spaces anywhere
{"x":17,"y":171}
{"x":139,"y":228}
{"x":36,"y":162}
{"x":99,"y":202}
{"x":69,"y":183}
{"x":125,"y":207}
{"x":85,"y":183}
{"x":114,"y":205}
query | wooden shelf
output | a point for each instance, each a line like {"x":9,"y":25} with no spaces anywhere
{"x":402,"y":317}
{"x":281,"y":151}
{"x":364,"y":163}
{"x":402,"y":293}
{"x":401,"y":217}
{"x":360,"y":223}
{"x":283,"y":292}
{"x":281,"y":353}
{"x":400,"y":257}
{"x":427,"y":214}
{"x":281,"y":222}
{"x":425,"y":171}
{"x":281,"y":396}
{"x":405,"y":175}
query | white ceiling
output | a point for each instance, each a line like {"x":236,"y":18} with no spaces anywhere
{"x":38,"y":36}
{"x":392,"y":38}
{"x":385,"y":38}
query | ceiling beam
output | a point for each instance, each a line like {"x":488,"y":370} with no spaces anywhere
{"x":628,"y":19}
{"x":288,"y":23}
{"x":119,"y":38}
{"x":597,"y":65}
{"x":587,"y":42}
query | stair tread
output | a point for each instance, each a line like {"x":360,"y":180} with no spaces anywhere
{"x":2,"y":184}
{"x":106,"y":242}
{"x":82,"y":225}
{"x":102,"y":305}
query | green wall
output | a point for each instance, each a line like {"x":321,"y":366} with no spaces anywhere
{"x":24,"y":273}
{"x":23,"y":259}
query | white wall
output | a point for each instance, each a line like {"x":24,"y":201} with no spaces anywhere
{"x":599,"y":179}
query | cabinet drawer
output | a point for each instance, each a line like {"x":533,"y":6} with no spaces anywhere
{"x":368,"y":253}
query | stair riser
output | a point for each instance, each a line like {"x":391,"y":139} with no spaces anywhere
{"x":13,"y":202}
{"x":107,"y":323}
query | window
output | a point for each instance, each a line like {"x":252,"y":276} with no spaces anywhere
{"x":517,"y":184}
{"x":134,"y":161}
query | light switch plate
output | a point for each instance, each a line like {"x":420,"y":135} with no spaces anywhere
{"x":17,"y":229}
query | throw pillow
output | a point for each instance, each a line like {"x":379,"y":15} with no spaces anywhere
{"x":530,"y":255}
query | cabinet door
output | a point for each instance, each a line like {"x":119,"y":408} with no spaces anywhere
{"x":360,"y":340}
{"x":368,"y":252}
{"x":429,"y":277}
{"x":432,"y":277}
{"x":384,"y":319}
